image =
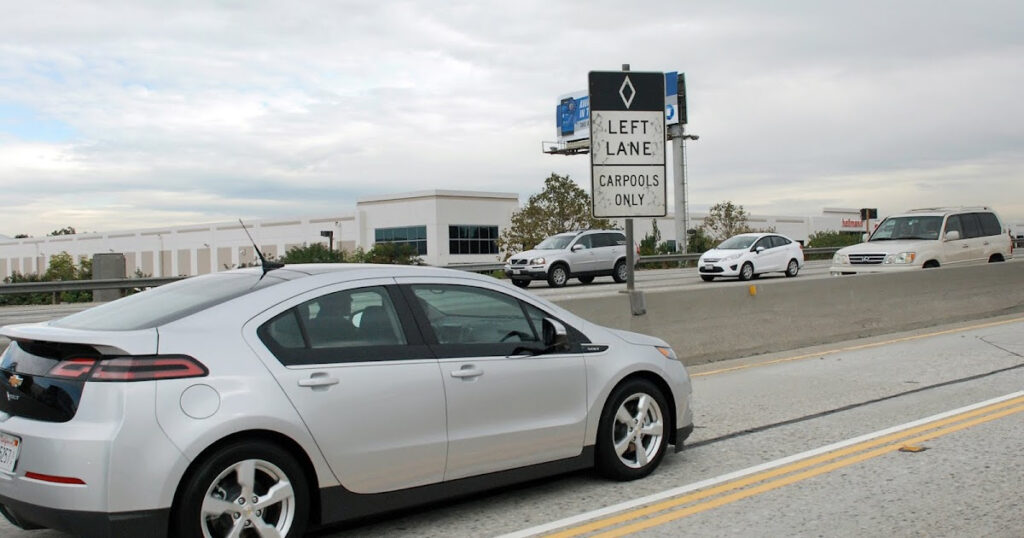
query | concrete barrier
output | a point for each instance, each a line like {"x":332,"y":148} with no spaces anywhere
{"x":723,"y":322}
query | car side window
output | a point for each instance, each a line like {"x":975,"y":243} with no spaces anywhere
{"x":779,"y":241}
{"x":763,"y":242}
{"x":600,"y":240}
{"x":953,"y":225}
{"x":989,"y":224}
{"x":470,"y":315}
{"x":586,"y":241}
{"x":972,"y":228}
{"x":359,"y":324}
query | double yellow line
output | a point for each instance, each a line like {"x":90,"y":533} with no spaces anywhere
{"x":741,"y":488}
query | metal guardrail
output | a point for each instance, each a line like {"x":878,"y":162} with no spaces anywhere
{"x":85,"y":285}
{"x":130,"y":283}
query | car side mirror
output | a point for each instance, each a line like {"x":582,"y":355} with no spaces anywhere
{"x":577,"y":247}
{"x":863,"y":238}
{"x":556,"y":336}
{"x":952,"y":235}
{"x":759,"y":250}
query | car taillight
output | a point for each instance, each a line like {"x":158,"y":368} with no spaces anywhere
{"x":139,"y":368}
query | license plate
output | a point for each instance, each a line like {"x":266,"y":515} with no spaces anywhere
{"x":9,"y":448}
{"x":709,"y":267}
{"x":517,"y":271}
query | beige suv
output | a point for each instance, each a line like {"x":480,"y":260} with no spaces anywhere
{"x":924,"y":238}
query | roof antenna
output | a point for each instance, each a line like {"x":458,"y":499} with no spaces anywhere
{"x":266,"y":264}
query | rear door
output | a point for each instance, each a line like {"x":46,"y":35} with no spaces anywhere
{"x":506,"y":408}
{"x":955,"y":252}
{"x":353,"y":364}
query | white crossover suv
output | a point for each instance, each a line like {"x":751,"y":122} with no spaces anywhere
{"x":925,"y":238}
{"x":583,"y":255}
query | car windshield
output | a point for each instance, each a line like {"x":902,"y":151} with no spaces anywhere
{"x":738,"y":242}
{"x":169,"y":302}
{"x":912,"y":227}
{"x":555,"y":242}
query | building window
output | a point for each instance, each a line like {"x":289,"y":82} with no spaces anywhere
{"x":414,"y":236}
{"x":471,"y":239}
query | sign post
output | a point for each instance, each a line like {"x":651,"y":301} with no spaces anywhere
{"x":627,"y":153}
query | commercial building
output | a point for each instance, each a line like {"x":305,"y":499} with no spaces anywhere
{"x":445,"y":227}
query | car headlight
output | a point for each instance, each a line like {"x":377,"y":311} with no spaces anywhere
{"x":667,"y":352}
{"x":732,"y":256}
{"x":537,"y":261}
{"x":901,"y":258}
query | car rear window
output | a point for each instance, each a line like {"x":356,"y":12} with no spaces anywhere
{"x":169,"y":302}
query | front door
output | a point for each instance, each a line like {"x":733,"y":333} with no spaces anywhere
{"x":506,"y":407}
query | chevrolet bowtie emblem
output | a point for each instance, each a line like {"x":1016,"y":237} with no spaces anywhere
{"x":15,"y":380}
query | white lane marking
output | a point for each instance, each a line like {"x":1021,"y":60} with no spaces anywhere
{"x":675,"y":492}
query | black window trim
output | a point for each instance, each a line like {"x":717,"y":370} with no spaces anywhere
{"x":458,"y":351}
{"x":415,"y":347}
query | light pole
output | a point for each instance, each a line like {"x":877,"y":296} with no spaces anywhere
{"x":329,"y":234}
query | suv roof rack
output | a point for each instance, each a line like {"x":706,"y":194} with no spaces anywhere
{"x":960,"y":208}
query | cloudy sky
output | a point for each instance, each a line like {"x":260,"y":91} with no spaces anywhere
{"x":120,"y":115}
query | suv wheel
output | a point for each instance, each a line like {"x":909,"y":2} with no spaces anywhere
{"x":619,"y":273}
{"x":587,"y":279}
{"x":557,"y":276}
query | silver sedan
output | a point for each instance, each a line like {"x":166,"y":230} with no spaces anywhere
{"x":264,"y":402}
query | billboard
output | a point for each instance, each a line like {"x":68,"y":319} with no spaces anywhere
{"x":572,"y":116}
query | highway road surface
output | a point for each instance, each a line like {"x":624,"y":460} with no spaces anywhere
{"x":912,"y":434}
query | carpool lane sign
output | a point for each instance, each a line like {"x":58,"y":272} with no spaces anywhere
{"x":627,"y":144}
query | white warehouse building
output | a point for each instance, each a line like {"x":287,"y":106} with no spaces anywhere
{"x":447,"y":228}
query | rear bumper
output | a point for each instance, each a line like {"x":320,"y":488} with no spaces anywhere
{"x":148,"y":523}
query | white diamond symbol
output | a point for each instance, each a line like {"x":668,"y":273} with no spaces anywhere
{"x":627,"y":86}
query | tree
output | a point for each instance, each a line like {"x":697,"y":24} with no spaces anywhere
{"x":699,"y":242}
{"x":396,"y":253}
{"x":22,"y":236}
{"x":70,"y":230}
{"x":725,"y":220}
{"x":561,"y":207}
{"x":313,"y":253}
{"x":830,"y":238}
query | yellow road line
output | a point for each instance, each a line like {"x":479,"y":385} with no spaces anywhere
{"x":858,"y":347}
{"x":721,"y":501}
{"x":779,"y":471}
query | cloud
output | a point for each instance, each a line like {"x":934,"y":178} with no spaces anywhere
{"x":196,"y":112}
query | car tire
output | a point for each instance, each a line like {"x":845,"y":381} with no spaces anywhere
{"x":520,"y":282}
{"x":930,"y":264}
{"x":619,"y":272}
{"x":587,"y":279}
{"x":558,"y":276}
{"x":215,"y":487}
{"x":793,"y":268}
{"x":632,"y":437}
{"x":747,"y":271}
{"x":707,"y":278}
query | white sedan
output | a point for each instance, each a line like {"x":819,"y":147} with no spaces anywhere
{"x":750,"y":255}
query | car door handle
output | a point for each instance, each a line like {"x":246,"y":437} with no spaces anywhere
{"x":465,"y":372}
{"x":318,"y":380}
{"x":965,"y":246}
